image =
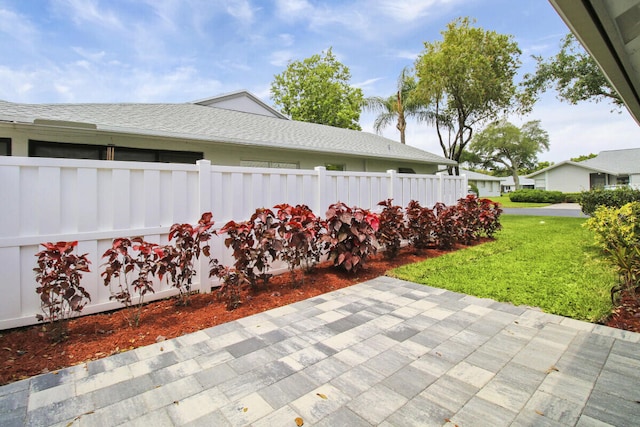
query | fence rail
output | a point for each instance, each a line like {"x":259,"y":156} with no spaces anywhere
{"x":93,"y":202}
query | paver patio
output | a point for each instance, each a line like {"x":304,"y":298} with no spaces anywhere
{"x":385,"y":352}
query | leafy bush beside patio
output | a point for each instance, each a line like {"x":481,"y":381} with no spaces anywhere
{"x":617,"y":233}
{"x":591,"y":200}
{"x":546,"y":262}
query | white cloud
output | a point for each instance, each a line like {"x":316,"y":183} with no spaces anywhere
{"x":89,"y":11}
{"x":367,"y":83}
{"x":406,"y":10}
{"x":16,"y":26}
{"x":97,"y":56}
{"x":280,"y":58}
{"x":286,"y":39}
{"x":405,"y":54}
{"x":241,"y":10}
{"x":292,"y":9}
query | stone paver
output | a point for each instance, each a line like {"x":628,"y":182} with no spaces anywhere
{"x":384,"y":352}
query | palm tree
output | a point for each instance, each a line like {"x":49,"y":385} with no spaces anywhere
{"x":397,"y":108}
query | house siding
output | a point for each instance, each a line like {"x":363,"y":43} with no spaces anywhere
{"x":219,"y":153}
{"x":567,"y":178}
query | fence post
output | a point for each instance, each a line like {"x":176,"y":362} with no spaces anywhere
{"x":204,"y":203}
{"x":321,"y":203}
{"x":392,"y":184}
{"x":440,"y":187}
{"x":465,"y":187}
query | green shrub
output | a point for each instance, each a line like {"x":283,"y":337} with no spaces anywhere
{"x":536,"y":196}
{"x":617,"y":232}
{"x":590,"y":200}
{"x":572,"y":197}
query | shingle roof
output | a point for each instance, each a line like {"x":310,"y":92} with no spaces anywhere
{"x":612,"y":162}
{"x":621,"y":161}
{"x":196,"y":122}
{"x":476,"y":176}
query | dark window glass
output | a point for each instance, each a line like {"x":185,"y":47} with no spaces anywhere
{"x":179,"y":156}
{"x":5,"y":146}
{"x":66,"y":151}
{"x":134,"y":155}
{"x":406,"y":170}
{"x":100,"y":152}
{"x":162,"y":156}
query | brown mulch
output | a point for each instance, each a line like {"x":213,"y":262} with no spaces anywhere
{"x":27,"y":351}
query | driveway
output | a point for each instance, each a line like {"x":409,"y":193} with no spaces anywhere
{"x":560,"y":209}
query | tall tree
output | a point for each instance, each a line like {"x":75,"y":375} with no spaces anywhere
{"x":502,"y":143}
{"x":467,"y":78}
{"x":573,"y":73}
{"x":399,"y":107}
{"x":583,"y":157}
{"x":317,"y":90}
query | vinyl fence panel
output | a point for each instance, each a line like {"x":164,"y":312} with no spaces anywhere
{"x":94,"y":202}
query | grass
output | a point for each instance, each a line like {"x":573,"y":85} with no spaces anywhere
{"x":545,"y":262}
{"x":506,"y":203}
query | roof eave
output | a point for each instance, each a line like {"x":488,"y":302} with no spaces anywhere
{"x":592,"y":24}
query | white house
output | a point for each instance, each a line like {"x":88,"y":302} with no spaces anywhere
{"x":488,"y":186}
{"x":235,"y":129}
{"x":607,"y":169}
{"x":508,"y":184}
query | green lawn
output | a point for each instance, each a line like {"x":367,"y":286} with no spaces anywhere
{"x":506,"y":203}
{"x":545,"y":262}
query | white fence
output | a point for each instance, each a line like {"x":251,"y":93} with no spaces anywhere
{"x":93,"y":202}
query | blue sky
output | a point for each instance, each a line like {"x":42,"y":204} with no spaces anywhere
{"x":79,"y":51}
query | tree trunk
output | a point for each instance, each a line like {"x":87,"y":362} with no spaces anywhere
{"x":402,"y":123}
{"x":516,"y":180}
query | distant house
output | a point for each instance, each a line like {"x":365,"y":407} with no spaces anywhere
{"x":608,"y":169}
{"x":488,"y":186}
{"x":235,"y":129}
{"x":508,"y":184}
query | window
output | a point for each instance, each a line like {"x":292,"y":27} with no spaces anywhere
{"x":5,"y":146}
{"x":102,"y":152}
{"x":268,"y":164}
{"x":66,"y":151}
{"x":622,"y":180}
{"x":406,"y":170}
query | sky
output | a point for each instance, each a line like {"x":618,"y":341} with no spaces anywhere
{"x":174,"y":51}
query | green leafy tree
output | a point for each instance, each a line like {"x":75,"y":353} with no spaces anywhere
{"x":583,"y":157}
{"x":538,"y":166}
{"x":467,"y":78}
{"x":399,"y":107}
{"x":573,"y":73}
{"x":317,"y":90}
{"x":502,"y":143}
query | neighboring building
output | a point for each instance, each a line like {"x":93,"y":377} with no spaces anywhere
{"x":607,"y":169}
{"x":508,"y":184}
{"x":488,"y":186}
{"x":235,"y":129}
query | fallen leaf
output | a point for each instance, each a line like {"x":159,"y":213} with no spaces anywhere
{"x":552,"y":368}
{"x":245,"y":409}
{"x":299,"y":422}
{"x":540,"y":413}
{"x":322,"y":396}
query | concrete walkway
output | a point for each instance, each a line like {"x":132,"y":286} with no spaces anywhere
{"x":384,"y":352}
{"x":559,"y":209}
